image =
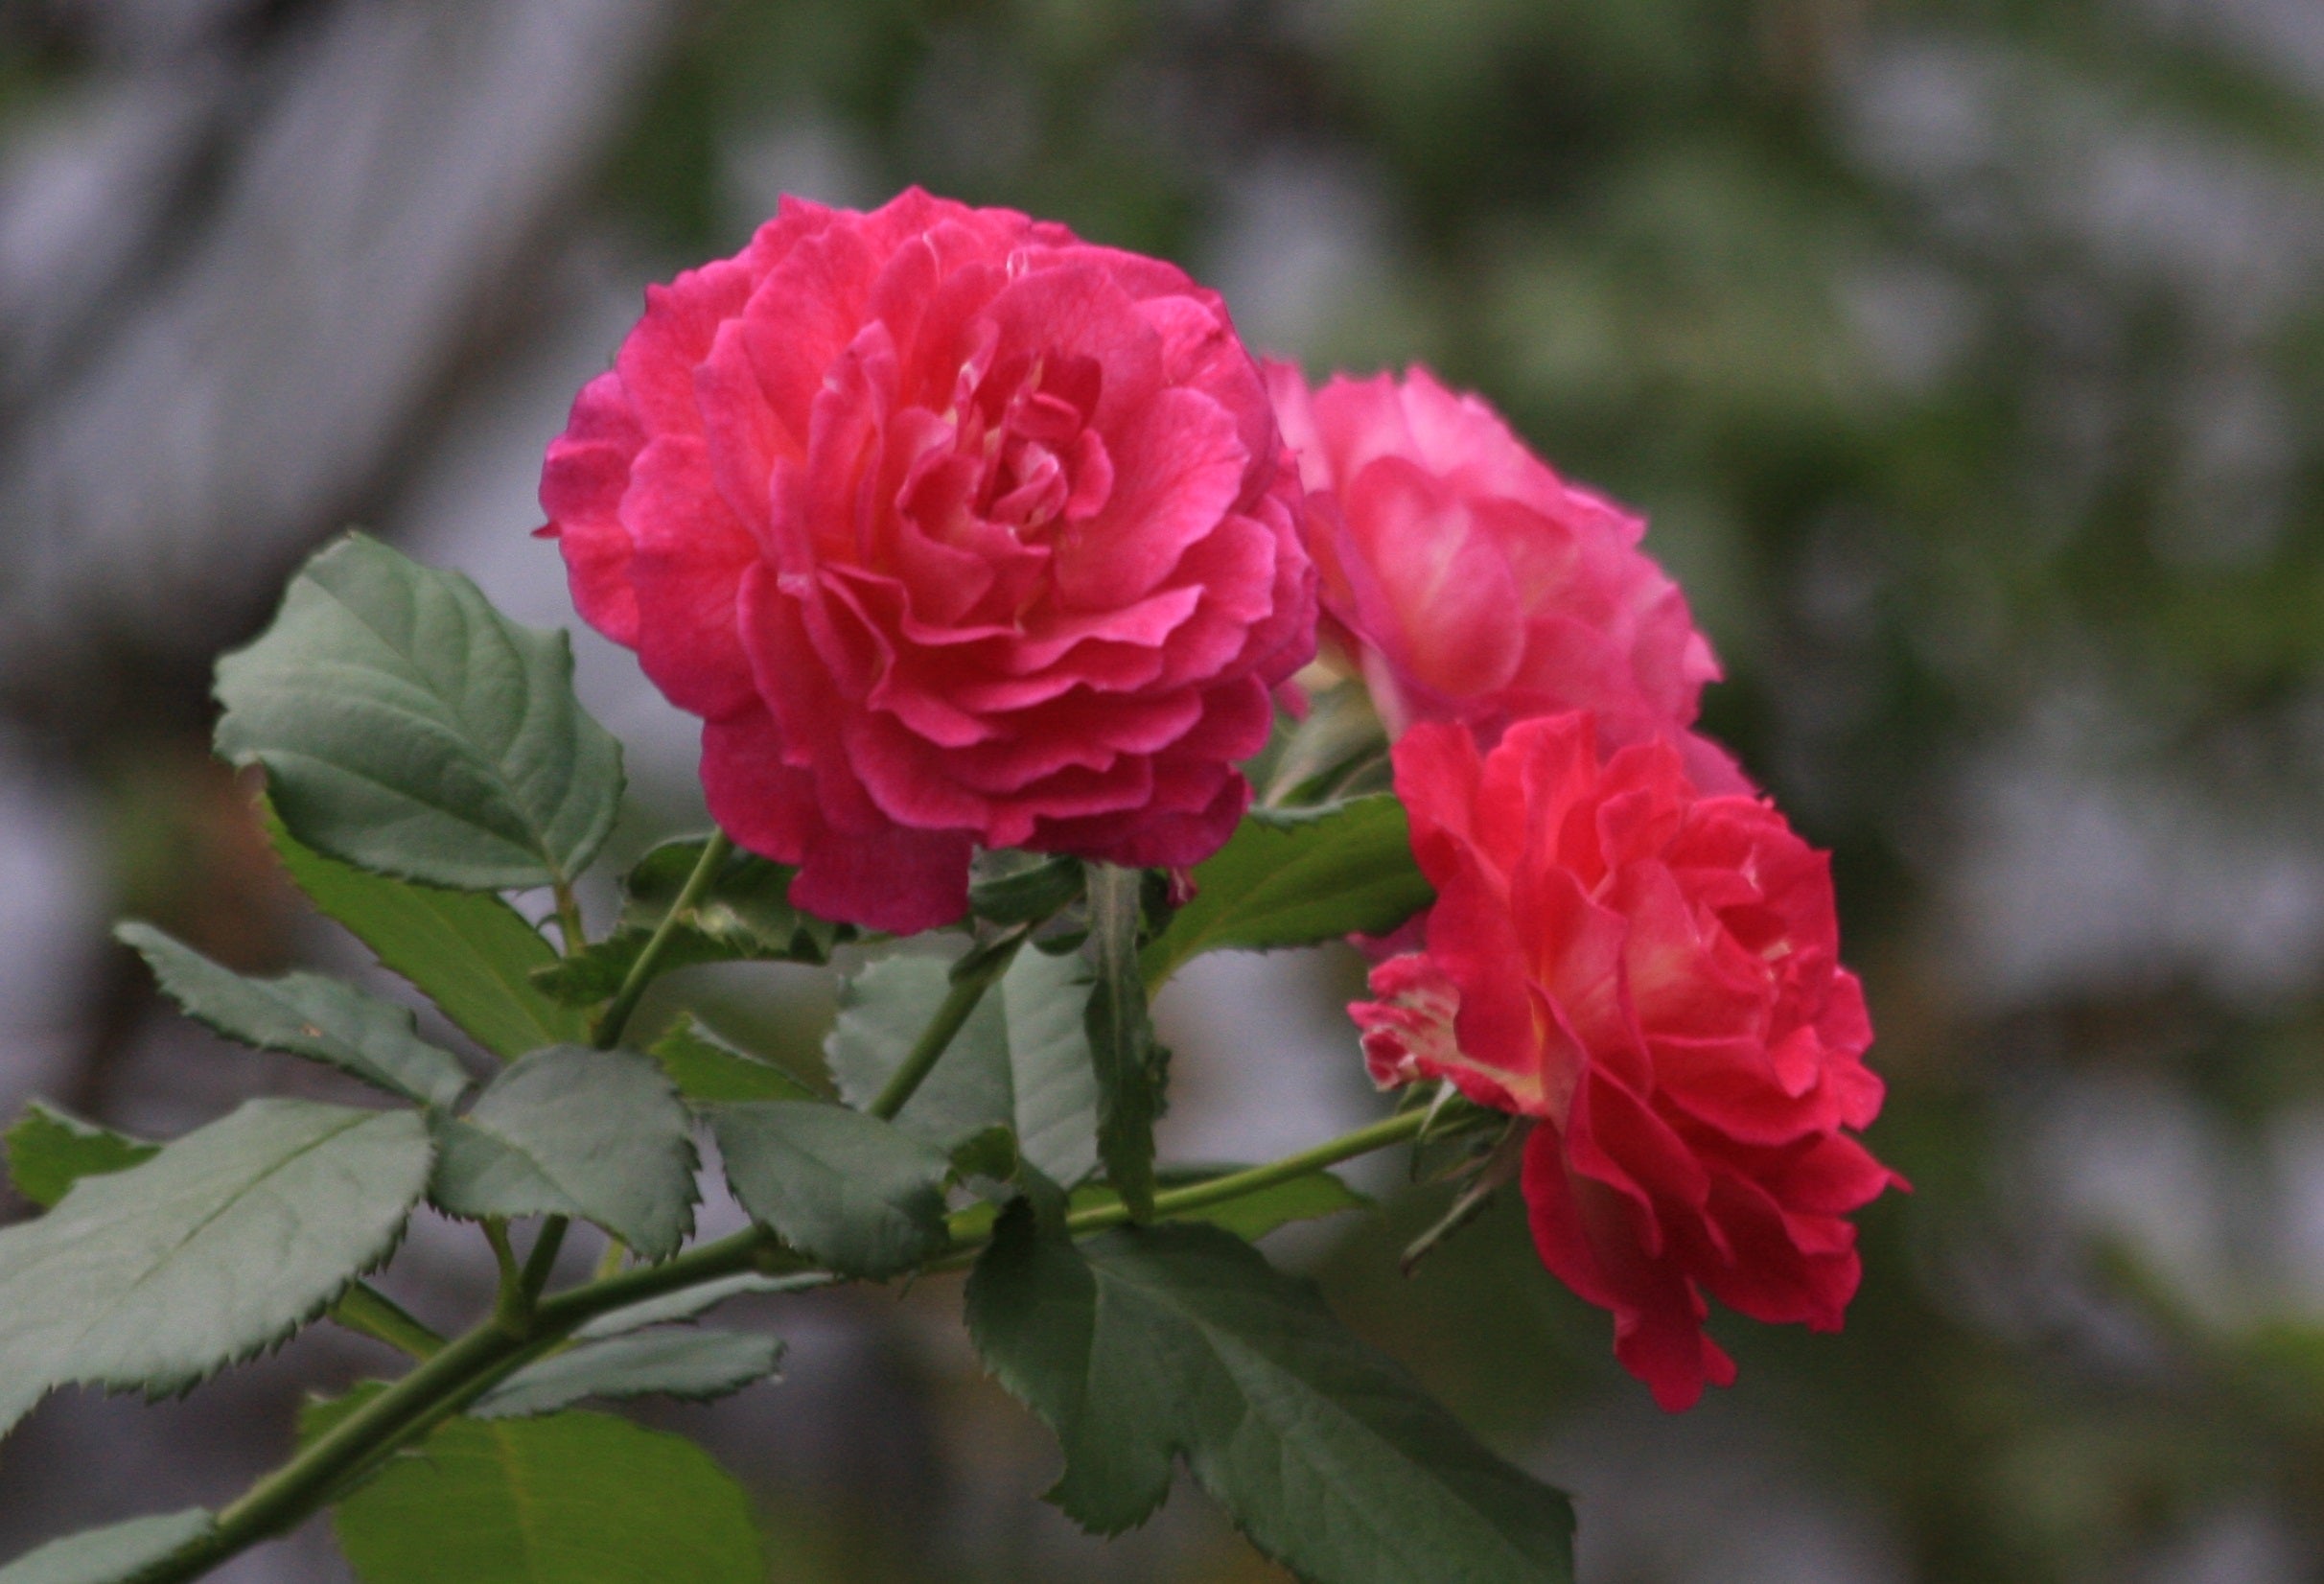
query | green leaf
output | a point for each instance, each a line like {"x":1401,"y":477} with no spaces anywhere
{"x":574,"y":1499}
{"x":1021,"y":1060}
{"x":696,"y":1365}
{"x":846,"y":1190}
{"x":1298,"y":877}
{"x":687,"y":1302}
{"x":1127,"y":1060}
{"x":470,"y":953}
{"x":600,"y":1135}
{"x":114,"y":1554}
{"x":1148,"y":1345}
{"x":214,"y":1249}
{"x":746,"y":915}
{"x":48,"y":1152}
{"x":408,"y":728}
{"x":304,"y":1015}
{"x":710,"y":1071}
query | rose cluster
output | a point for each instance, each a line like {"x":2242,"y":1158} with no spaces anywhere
{"x":958,"y":532}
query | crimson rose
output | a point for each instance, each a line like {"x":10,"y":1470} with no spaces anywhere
{"x":955,"y":530}
{"x":1654,"y":974}
{"x":1468,"y":582}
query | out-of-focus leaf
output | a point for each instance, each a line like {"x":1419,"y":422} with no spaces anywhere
{"x":600,"y":1135}
{"x":1148,"y":1345}
{"x":114,"y":1554}
{"x":306,"y":1014}
{"x":710,"y":1071}
{"x":216,"y":1248}
{"x":409,"y":729}
{"x":48,"y":1152}
{"x":689,"y":1302}
{"x":469,"y":952}
{"x":571,"y":1499}
{"x":1298,"y":877}
{"x":696,"y":1365}
{"x":846,"y":1190}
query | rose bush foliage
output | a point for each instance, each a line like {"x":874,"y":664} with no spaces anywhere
{"x":959,"y":533}
{"x":956,"y":530}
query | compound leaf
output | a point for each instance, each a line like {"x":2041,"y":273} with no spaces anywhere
{"x":1148,"y":1345}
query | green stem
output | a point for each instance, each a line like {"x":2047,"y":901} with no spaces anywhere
{"x":287,"y":1496}
{"x":543,"y":1260}
{"x":460,"y":1371}
{"x":641,"y":974}
{"x":959,"y":1002}
{"x":509,"y":1307}
{"x":1202,"y":1196}
{"x":569,"y":920}
{"x":366,"y":1311}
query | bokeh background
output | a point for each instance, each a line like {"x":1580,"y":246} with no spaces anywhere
{"x":1967,"y":358}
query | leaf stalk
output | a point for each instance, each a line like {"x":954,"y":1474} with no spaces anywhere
{"x":714,"y":854}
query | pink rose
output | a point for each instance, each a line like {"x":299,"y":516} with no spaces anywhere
{"x":1468,"y":582}
{"x":955,"y":530}
{"x":1655,"y":974}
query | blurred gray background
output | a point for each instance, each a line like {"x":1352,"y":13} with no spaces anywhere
{"x":1968,"y":359}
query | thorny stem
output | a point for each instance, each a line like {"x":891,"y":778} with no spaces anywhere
{"x":641,"y":974}
{"x":460,"y":1371}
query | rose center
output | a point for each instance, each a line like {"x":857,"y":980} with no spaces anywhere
{"x":1040,"y":461}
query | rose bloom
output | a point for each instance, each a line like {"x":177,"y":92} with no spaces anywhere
{"x":956,"y":530}
{"x":1466,"y":581}
{"x":1654,"y":974}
